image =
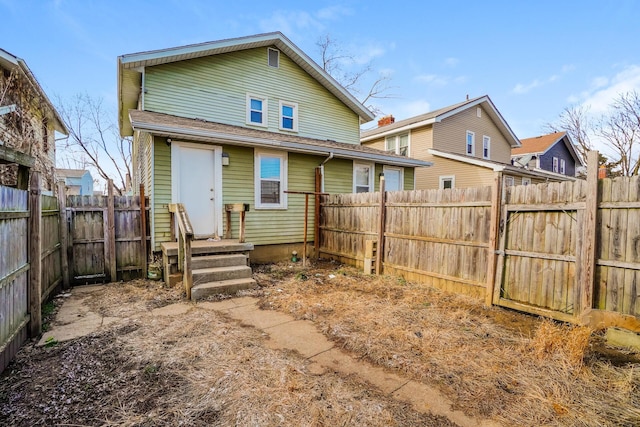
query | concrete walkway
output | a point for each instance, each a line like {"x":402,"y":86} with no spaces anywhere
{"x":75,"y":319}
{"x":302,"y":336}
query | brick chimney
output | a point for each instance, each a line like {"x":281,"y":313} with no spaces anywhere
{"x":386,"y":120}
{"x":602,"y":172}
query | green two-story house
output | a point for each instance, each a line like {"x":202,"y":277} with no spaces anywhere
{"x":247,"y":120}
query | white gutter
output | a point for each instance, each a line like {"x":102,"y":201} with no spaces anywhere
{"x":292,"y":146}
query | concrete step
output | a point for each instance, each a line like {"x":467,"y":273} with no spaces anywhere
{"x":215,"y":274}
{"x":227,"y":287}
{"x":212,"y":261}
{"x":205,"y":247}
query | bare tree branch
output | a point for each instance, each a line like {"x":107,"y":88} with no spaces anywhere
{"x":337,"y":63}
{"x":94,"y":140}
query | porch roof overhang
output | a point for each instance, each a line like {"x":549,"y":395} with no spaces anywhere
{"x":170,"y":126}
{"x":502,"y":167}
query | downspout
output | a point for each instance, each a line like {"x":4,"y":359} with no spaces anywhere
{"x":322,"y":169}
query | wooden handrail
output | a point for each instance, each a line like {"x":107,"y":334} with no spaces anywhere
{"x":185,"y":236}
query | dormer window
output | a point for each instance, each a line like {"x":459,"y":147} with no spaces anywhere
{"x":274,"y":57}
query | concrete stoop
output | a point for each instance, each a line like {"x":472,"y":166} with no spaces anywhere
{"x":219,"y":267}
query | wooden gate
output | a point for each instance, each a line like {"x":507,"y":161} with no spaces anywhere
{"x":540,"y":242}
{"x":87,"y":217}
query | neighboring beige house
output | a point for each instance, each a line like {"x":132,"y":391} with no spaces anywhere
{"x":469,"y":144}
{"x":28,"y":122}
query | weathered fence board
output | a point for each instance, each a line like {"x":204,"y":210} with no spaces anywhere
{"x":51,"y":250}
{"x":95,"y":238}
{"x":14,"y":270}
{"x":568,"y":250}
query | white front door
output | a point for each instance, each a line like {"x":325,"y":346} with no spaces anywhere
{"x":197,"y":184}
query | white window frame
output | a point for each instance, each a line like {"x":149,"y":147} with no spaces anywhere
{"x":395,"y":141}
{"x":385,"y":169}
{"x":372,"y":171}
{"x":294,"y":106}
{"x":473,"y":143}
{"x":509,"y":181}
{"x":554,"y":167}
{"x":486,"y":147}
{"x":269,"y":50}
{"x":563,"y":167}
{"x":526,"y":181}
{"x":265,"y":109}
{"x":444,"y":178}
{"x":258,"y":155}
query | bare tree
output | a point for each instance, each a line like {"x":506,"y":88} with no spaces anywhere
{"x":575,"y":121}
{"x":94,"y":141}
{"x":620,"y":130}
{"x":338,"y":63}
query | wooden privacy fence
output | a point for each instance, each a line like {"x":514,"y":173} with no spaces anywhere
{"x":105,"y":237}
{"x":567,"y":250}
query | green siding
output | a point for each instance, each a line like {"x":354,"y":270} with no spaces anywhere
{"x":270,"y":226}
{"x":338,"y":176}
{"x":214,"y":88}
{"x":161,"y":192}
{"x":409,"y":178}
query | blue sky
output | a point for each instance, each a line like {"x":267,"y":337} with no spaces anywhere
{"x":532,"y":58}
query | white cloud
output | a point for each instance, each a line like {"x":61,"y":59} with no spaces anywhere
{"x":413,"y":108}
{"x":290,"y":22}
{"x":332,"y":13}
{"x":604,"y":90}
{"x":523,"y":88}
{"x":439,"y":80}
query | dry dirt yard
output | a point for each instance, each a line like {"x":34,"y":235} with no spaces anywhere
{"x":204,"y":368}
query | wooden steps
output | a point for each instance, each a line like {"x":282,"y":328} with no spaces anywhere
{"x":219,"y":267}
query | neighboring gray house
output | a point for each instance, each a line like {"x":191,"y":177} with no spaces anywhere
{"x":78,"y":182}
{"x":554,"y":153}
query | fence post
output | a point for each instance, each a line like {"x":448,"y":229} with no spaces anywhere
{"x":64,"y":234}
{"x":110,"y":233}
{"x":380,"y":252}
{"x":588,"y":250}
{"x":35,"y":260}
{"x":316,"y":214}
{"x":143,"y":231}
{"x":493,"y":239}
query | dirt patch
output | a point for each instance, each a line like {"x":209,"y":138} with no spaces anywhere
{"x":197,"y":369}
{"x":492,"y":363}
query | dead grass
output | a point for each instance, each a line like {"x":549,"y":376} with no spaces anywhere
{"x":197,"y":369}
{"x":491,"y":362}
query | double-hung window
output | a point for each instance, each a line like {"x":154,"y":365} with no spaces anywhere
{"x":256,"y":110}
{"x":470,"y":150}
{"x":288,"y":116}
{"x":270,"y":180}
{"x":563,"y":167}
{"x":555,"y":164}
{"x":362,"y":177}
{"x":398,"y":144}
{"x":486,"y":147}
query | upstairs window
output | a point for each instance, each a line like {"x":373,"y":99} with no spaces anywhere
{"x":555,"y":165}
{"x":362,"y":177}
{"x":486,"y":144}
{"x":270,"y":180}
{"x":563,"y":166}
{"x":397,"y":144}
{"x":256,"y":110}
{"x":274,"y":57}
{"x":470,"y":143}
{"x":288,"y":116}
